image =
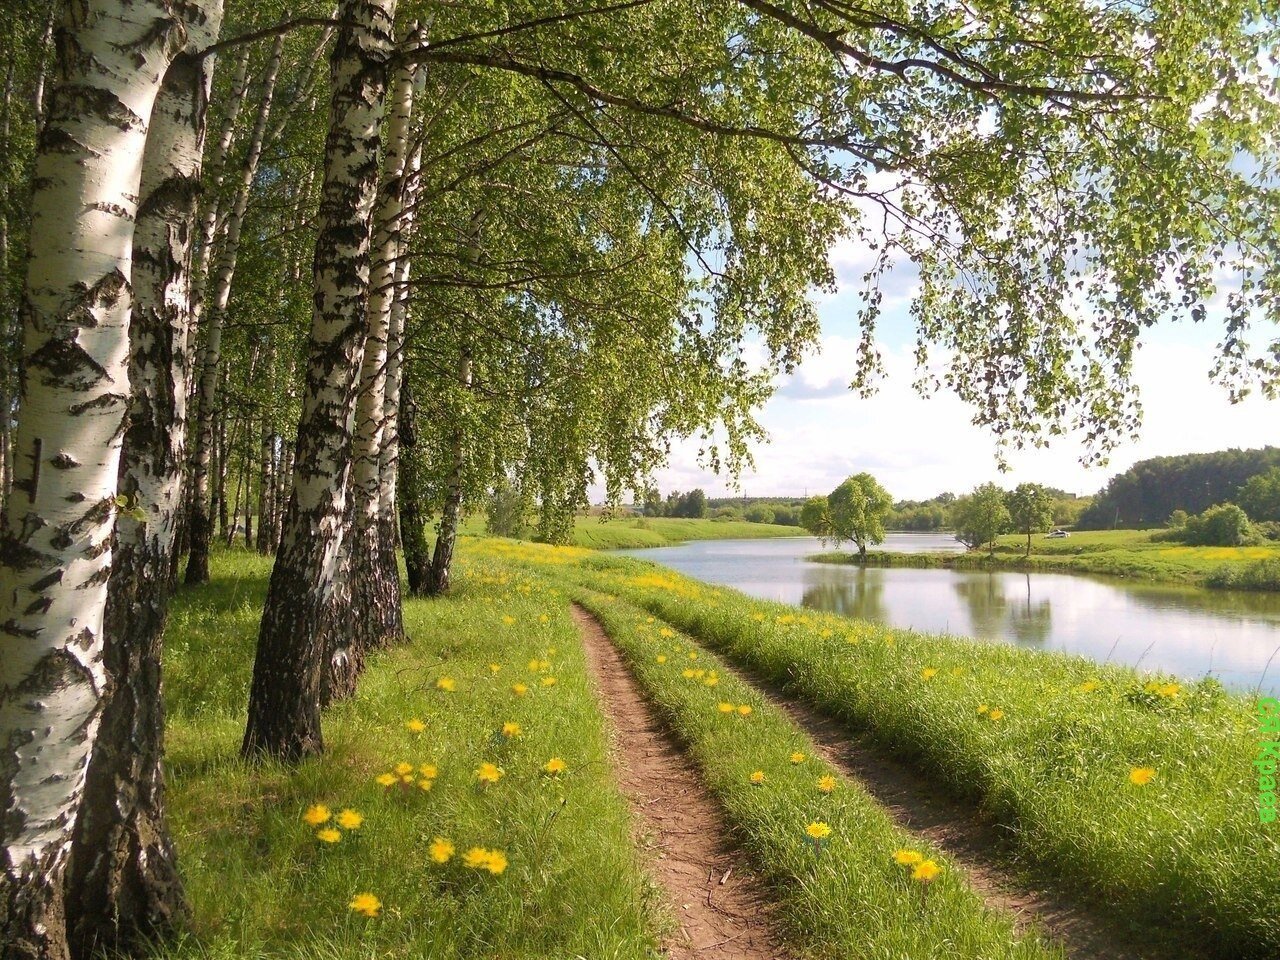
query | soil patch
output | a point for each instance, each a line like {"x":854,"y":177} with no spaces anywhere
{"x":721,"y":906}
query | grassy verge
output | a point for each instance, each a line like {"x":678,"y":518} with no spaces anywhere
{"x":844,"y":895}
{"x":628,"y":533}
{"x":264,"y":886}
{"x":1118,"y":553}
{"x":1046,"y":743}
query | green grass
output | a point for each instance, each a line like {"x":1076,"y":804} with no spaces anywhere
{"x":1132,"y":554}
{"x":1186,"y":850}
{"x":629,"y":533}
{"x":262,"y":885}
{"x":847,"y":899}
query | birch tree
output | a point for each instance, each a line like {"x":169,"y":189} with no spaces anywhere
{"x":56,"y":554}
{"x":123,"y":887}
{"x":284,"y":700}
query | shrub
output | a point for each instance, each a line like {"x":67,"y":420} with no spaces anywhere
{"x":1225,"y":525}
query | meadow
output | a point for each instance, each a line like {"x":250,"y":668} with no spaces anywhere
{"x":488,"y":820}
{"x":1133,"y":554}
{"x":629,"y":533}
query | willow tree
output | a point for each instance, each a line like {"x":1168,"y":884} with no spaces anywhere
{"x":284,"y":699}
{"x":56,"y":555}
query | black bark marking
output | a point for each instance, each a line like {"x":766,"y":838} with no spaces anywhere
{"x":16,"y":555}
{"x":102,"y":401}
{"x":64,"y":461}
{"x":12,"y":628}
{"x":38,"y":606}
{"x":70,"y":101}
{"x":47,"y":581}
{"x":66,"y":363}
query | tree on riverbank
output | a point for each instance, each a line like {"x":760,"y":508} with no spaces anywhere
{"x":853,"y":512}
{"x":981,"y":516}
{"x":1030,"y":509}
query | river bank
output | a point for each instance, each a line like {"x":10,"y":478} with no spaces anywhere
{"x":1131,"y":554}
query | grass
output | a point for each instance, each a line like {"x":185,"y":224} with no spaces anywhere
{"x":1053,"y":765}
{"x":1132,"y":554}
{"x":263,"y":886}
{"x":627,"y":533}
{"x":845,"y":896}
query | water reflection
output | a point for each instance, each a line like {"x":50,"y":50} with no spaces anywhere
{"x":1181,"y":630}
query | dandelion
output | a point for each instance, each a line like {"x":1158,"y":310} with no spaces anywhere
{"x":555,"y":766}
{"x":508,"y":619}
{"x":317,"y":814}
{"x":687,"y":674}
{"x":415,"y":725}
{"x":797,"y":758}
{"x":824,"y":633}
{"x":726,"y":708}
{"x":826,"y":784}
{"x":403,"y":768}
{"x":548,"y":681}
{"x":929,"y":672}
{"x":744,"y":710}
{"x":758,"y":617}
{"x":648,"y":620}
{"x":511,"y":730}
{"x":662,"y":658}
{"x":925,"y":871}
{"x":429,"y":771}
{"x":534,"y":665}
{"x":818,"y":830}
{"x":447,"y":684}
{"x":693,"y":654}
{"x":489,"y":773}
{"x":425,"y":785}
{"x":441,"y":850}
{"x":495,"y":667}
{"x":1141,"y":776}
{"x":350,"y":820}
{"x":1088,"y":686}
{"x":543,"y":618}
{"x":983,"y":708}
{"x":385,"y":779}
{"x":699,"y":674}
{"x":329,"y":835}
{"x":996,"y":714}
{"x":666,"y":632}
{"x":519,"y":689}
{"x":711,"y":680}
{"x":497,"y":862}
{"x":478,"y":858}
{"x":366,"y":903}
{"x":907,"y":858}
{"x":757,"y":777}
{"x":1169,"y":690}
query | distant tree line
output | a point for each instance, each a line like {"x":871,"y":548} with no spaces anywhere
{"x":1149,"y":492}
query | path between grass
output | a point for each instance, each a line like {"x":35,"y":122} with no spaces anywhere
{"x":721,"y":906}
{"x":974,"y":843}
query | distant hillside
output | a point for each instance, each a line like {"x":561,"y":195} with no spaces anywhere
{"x":1150,"y":490}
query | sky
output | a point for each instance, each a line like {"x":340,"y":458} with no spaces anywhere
{"x":918,"y":447}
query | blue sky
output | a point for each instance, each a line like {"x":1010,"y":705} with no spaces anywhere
{"x":821,"y":433}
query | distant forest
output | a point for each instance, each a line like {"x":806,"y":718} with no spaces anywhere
{"x":1148,"y":492}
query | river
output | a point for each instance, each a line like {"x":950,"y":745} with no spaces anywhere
{"x":1186,"y":631}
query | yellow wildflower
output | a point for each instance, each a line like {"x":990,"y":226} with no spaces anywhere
{"x":366,"y":903}
{"x":446,"y":684}
{"x":662,"y":658}
{"x":1141,"y":776}
{"x":711,"y":680}
{"x":1169,"y":689}
{"x":907,"y":858}
{"x":996,"y":714}
{"x":329,"y":835}
{"x":511,"y":730}
{"x":429,"y":771}
{"x":726,"y":708}
{"x":983,"y":708}
{"x":497,"y":862}
{"x":488,"y":773}
{"x":826,"y":784}
{"x":929,"y":672}
{"x":797,"y":757}
{"x":548,"y":681}
{"x":1088,"y":686}
{"x":424,"y":785}
{"x":555,"y":766}
{"x":687,"y":674}
{"x":495,"y":667}
{"x":543,"y":618}
{"x":925,"y":871}
{"x":402,"y":768}
{"x":441,"y":850}
{"x":757,"y":777}
{"x":818,"y":830}
{"x":758,"y":617}
{"x":666,"y":632}
{"x":519,"y":689}
{"x":317,"y":814}
{"x":744,"y":710}
{"x":508,"y":619}
{"x":386,"y":779}
{"x":415,"y":725}
{"x":693,"y":654}
{"x":350,"y":820}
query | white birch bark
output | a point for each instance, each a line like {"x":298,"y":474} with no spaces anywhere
{"x":55,"y":557}
{"x":284,"y":700}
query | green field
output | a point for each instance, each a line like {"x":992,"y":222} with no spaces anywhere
{"x":1120,"y":553}
{"x":628,"y":533}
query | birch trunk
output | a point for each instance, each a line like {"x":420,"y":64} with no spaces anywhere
{"x":370,"y":589}
{"x":56,"y":551}
{"x":410,"y":494}
{"x":201,"y":526}
{"x":123,"y":888}
{"x":447,"y":535}
{"x":284,"y":699}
